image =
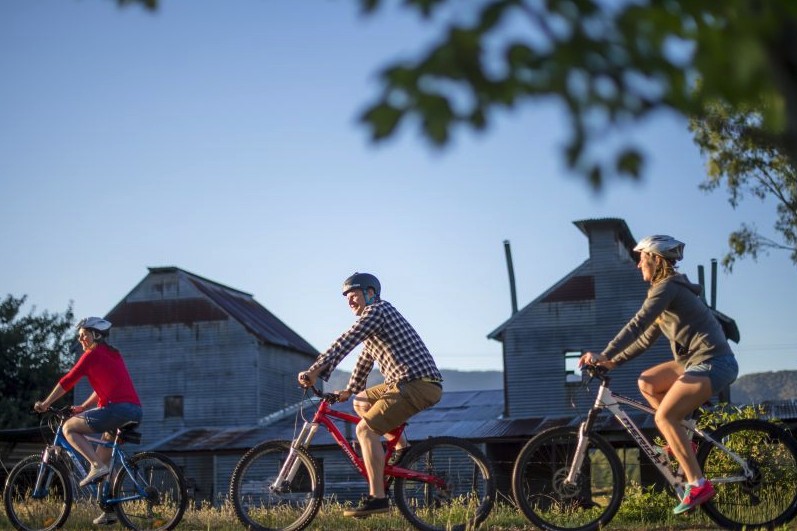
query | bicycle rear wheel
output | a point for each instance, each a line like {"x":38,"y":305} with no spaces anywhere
{"x":158,"y":491}
{"x":768,"y":498}
{"x":540,"y":491}
{"x":30,"y":509}
{"x":263,"y":505}
{"x":469,"y":492}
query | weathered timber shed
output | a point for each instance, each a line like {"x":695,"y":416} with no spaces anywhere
{"x":582,"y":312}
{"x":203,"y":354}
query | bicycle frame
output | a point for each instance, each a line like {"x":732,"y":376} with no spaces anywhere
{"x":61,"y":446}
{"x":607,"y":399}
{"x":324,"y":416}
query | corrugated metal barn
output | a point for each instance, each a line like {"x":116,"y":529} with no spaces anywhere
{"x":203,"y":354}
{"x":582,"y":312}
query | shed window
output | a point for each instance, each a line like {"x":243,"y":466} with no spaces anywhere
{"x":173,"y":406}
{"x":572,"y":372}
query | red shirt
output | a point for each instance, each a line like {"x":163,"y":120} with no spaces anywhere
{"x":107,"y":374}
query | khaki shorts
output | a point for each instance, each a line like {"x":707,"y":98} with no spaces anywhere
{"x":394,"y":404}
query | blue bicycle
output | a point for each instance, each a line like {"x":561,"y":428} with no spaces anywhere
{"x":145,"y":490}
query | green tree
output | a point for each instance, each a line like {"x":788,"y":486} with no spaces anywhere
{"x":747,"y":160}
{"x":607,"y":63}
{"x":34,"y":353}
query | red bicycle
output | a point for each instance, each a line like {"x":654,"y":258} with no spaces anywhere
{"x":441,"y":483}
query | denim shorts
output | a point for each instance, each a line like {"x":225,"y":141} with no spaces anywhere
{"x":722,"y":371}
{"x":108,"y":418}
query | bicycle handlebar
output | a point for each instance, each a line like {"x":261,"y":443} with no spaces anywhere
{"x":62,"y":413}
{"x":327,"y":397}
{"x":595,"y":371}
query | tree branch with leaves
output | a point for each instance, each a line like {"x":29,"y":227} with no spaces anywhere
{"x":608,"y":64}
{"x":748,"y":160}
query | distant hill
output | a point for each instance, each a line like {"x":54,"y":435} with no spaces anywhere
{"x":750,"y":388}
{"x":762,"y":386}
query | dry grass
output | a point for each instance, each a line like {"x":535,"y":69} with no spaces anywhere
{"x":503,"y":518}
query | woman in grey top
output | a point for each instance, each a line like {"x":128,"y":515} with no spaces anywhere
{"x":704,"y":363}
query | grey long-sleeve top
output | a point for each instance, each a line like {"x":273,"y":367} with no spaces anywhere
{"x":673,"y":308}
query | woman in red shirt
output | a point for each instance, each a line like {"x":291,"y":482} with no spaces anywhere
{"x":114,"y":396}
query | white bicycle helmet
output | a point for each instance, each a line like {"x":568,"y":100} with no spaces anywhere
{"x":665,"y":246}
{"x":96,"y":324}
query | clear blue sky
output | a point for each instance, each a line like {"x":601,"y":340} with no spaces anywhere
{"x":221,"y":137}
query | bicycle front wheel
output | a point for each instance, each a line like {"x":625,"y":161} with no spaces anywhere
{"x":154,"y":492}
{"x":539,"y":481}
{"x":37,"y":495}
{"x":263,"y":504}
{"x":466,"y":495}
{"x":765,"y":499}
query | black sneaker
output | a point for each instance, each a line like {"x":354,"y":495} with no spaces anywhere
{"x":397,"y":455}
{"x":369,"y":506}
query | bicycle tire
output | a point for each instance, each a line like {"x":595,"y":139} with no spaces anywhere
{"x":469,"y":494}
{"x":765,"y":501}
{"x":260,"y":506}
{"x":30,"y":514}
{"x":538,"y":481}
{"x":166,"y":498}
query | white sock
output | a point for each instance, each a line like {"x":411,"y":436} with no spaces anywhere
{"x":700,"y":482}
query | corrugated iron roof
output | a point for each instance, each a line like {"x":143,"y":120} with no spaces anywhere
{"x":243,"y":308}
{"x":473,"y":415}
{"x":459,"y":414}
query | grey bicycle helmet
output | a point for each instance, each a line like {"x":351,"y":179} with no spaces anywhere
{"x":665,"y":246}
{"x":98,"y":325}
{"x":362,"y":281}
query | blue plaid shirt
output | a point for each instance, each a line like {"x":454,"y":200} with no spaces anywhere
{"x":389,"y":340}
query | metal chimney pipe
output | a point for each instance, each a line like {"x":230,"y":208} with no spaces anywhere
{"x":713,"y":283}
{"x":511,"y":269}
{"x":701,"y":279}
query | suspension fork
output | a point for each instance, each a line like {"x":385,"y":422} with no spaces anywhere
{"x":583,"y":437}
{"x":43,"y":478}
{"x":291,"y":465}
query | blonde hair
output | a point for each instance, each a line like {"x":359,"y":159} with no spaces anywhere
{"x":664,"y":269}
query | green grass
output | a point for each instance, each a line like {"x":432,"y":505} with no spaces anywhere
{"x":641,"y":510}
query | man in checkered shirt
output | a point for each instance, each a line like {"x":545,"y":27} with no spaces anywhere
{"x":412,"y":380}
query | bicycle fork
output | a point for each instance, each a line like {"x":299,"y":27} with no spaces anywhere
{"x":291,"y":465}
{"x":44,"y":478}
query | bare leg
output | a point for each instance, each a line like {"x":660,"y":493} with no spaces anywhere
{"x":103,"y":452}
{"x":362,"y":405}
{"x":657,"y":380}
{"x":75,"y":431}
{"x":686,"y":394}
{"x":374,"y":457}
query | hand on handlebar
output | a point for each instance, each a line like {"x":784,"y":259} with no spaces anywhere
{"x":308,"y":378}
{"x":599,"y":360}
{"x":343,"y":395}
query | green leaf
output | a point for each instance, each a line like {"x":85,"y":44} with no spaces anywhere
{"x":383,"y":119}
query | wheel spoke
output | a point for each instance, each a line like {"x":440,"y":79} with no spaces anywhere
{"x":767,"y":496}
{"x":543,"y":493}
{"x":261,"y":503}
{"x":467,"y":495}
